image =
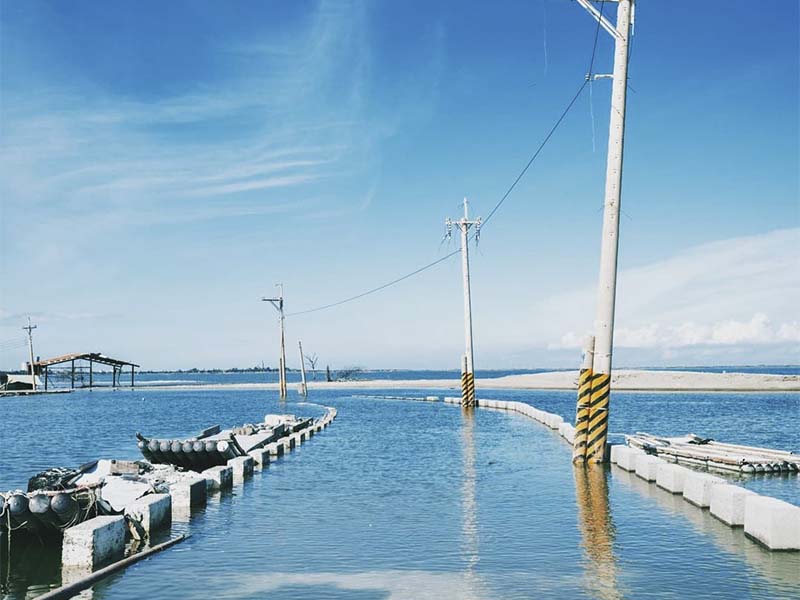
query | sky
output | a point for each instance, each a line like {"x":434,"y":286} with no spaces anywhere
{"x":163,"y":165}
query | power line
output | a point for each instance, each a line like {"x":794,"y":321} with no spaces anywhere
{"x":497,"y":206}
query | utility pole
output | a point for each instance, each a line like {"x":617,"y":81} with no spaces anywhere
{"x":604,"y":321}
{"x":30,"y":329}
{"x":468,"y":365}
{"x":277,"y":303}
{"x":303,"y":386}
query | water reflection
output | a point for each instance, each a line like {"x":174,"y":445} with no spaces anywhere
{"x":468,"y":499}
{"x":781,"y":569}
{"x":597,"y":531}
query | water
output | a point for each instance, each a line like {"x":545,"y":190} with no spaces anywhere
{"x":414,"y":500}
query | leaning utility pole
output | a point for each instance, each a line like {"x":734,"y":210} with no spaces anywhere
{"x":468,"y":366}
{"x":277,"y":303}
{"x":30,"y":329}
{"x":604,"y":322}
{"x":303,"y":385}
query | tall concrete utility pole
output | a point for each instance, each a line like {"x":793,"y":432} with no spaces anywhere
{"x":468,"y":367}
{"x":604,"y":322}
{"x":30,"y":329}
{"x":278,"y":304}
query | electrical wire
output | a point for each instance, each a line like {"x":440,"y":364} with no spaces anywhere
{"x":497,"y":206}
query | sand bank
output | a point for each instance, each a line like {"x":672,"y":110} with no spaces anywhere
{"x":623,"y":380}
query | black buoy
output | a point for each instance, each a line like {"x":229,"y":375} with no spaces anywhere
{"x":145,"y":451}
{"x":65,"y":507}
{"x":39,"y":505}
{"x":17,"y":505}
{"x":152,"y":446}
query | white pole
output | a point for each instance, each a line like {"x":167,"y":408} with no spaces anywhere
{"x":30,"y":329}
{"x":604,"y":324}
{"x":283,"y":345}
{"x":467,"y":299}
{"x":609,"y":245}
{"x":303,"y":387}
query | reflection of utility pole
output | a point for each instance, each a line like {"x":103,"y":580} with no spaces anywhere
{"x":30,"y":329}
{"x":468,"y":372}
{"x":604,"y":321}
{"x":278,"y":304}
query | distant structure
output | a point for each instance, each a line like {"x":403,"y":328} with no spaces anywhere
{"x":117,"y":366}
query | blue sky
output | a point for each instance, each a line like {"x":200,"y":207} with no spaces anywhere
{"x":163,"y":165}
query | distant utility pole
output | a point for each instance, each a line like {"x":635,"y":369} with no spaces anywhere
{"x":278,"y":304}
{"x":604,"y":322}
{"x":303,"y":385}
{"x":30,"y":329}
{"x":468,"y":366}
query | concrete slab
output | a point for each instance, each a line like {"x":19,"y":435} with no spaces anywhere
{"x":772,"y":522}
{"x":242,"y":468}
{"x":697,"y":488}
{"x":188,"y":494}
{"x":94,"y":543}
{"x":727,"y":503}
{"x":671,"y":477}
{"x":626,"y":457}
{"x":153,"y":511}
{"x":219,"y":478}
{"x":260,"y":457}
{"x":568,"y":433}
{"x":275,"y":449}
{"x":647,"y":466}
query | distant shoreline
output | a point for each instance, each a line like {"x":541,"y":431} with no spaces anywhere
{"x":622,"y":380}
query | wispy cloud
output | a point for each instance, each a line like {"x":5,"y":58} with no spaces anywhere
{"x":737,"y":292}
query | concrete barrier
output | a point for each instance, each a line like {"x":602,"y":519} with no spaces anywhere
{"x":432,"y":398}
{"x":671,"y":477}
{"x":94,"y":542}
{"x":697,"y":488}
{"x":727,"y":503}
{"x":219,"y":478}
{"x":152,"y":511}
{"x":625,"y":457}
{"x":772,"y":522}
{"x":310,"y":432}
{"x":647,"y":466}
{"x":260,"y":457}
{"x":275,"y":449}
{"x":188,"y":494}
{"x":242,"y":468}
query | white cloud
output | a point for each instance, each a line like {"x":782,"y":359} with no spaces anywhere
{"x":737,"y":292}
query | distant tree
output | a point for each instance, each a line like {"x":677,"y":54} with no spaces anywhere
{"x":311,"y":361}
{"x":348,"y":373}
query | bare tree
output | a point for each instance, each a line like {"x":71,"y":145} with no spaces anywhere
{"x":311,"y":361}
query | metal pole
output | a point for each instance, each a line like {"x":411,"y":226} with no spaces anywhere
{"x":90,"y":373}
{"x":132,"y":368}
{"x":30,"y":329}
{"x":604,"y":323}
{"x":283,"y":345}
{"x":304,"y":386}
{"x":72,"y":376}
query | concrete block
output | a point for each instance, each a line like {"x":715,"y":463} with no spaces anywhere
{"x":94,"y":542}
{"x":275,"y":449}
{"x":773,"y":522}
{"x":153,"y":511}
{"x":242,"y":467}
{"x":288,"y":443}
{"x":670,"y":477}
{"x":727,"y":503}
{"x":310,"y":432}
{"x":626,"y":457}
{"x":554,"y":421}
{"x":647,"y":466}
{"x":615,"y":449}
{"x":697,"y":488}
{"x":432,"y":398}
{"x":569,"y":433}
{"x":260,"y":457}
{"x":188,"y":494}
{"x":219,"y":477}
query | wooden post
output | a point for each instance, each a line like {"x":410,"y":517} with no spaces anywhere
{"x":72,"y":376}
{"x":46,"y":371}
{"x":132,"y":368}
{"x":90,"y":373}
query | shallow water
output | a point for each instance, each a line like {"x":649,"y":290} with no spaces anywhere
{"x":416,"y":500}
